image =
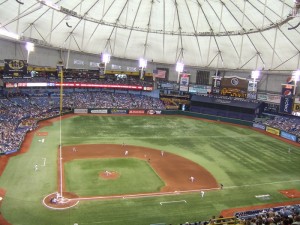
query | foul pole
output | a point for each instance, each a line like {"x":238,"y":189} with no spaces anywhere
{"x":60,"y":70}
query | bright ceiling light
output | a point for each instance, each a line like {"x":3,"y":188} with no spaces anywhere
{"x":179,"y":67}
{"x":255,"y":74}
{"x":29,"y":46}
{"x":105,"y":58}
{"x":142,"y":63}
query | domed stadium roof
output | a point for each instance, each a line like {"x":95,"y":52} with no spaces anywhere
{"x":231,"y":34}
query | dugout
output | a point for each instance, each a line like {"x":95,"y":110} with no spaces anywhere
{"x":242,"y":109}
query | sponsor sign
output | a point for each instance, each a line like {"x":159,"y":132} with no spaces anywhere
{"x":10,"y":152}
{"x":287,"y":90}
{"x":273,"y":130}
{"x":15,"y":67}
{"x":99,"y":111}
{"x":80,"y":111}
{"x":259,"y":126}
{"x":116,"y":67}
{"x":78,"y":62}
{"x":252,"y":86}
{"x":288,"y":136}
{"x":234,"y":82}
{"x":184,"y":82}
{"x":118,"y":111}
{"x":11,"y":85}
{"x":152,"y":112}
{"x":148,"y":88}
{"x":296,"y":107}
{"x":200,"y":89}
{"x":262,"y":97}
{"x":286,"y":105}
{"x":136,"y":111}
{"x":131,"y":69}
{"x":94,"y":64}
{"x":234,"y":87}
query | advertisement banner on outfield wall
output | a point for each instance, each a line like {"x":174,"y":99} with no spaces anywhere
{"x":259,"y":126}
{"x":98,"y":111}
{"x":80,"y":111}
{"x":118,"y":111}
{"x":152,"y":112}
{"x":10,"y":152}
{"x":136,"y":111}
{"x":288,"y":136}
{"x":273,"y":130}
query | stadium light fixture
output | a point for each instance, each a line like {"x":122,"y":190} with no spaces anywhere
{"x":30,"y":48}
{"x":105,"y":60}
{"x":254,"y":75}
{"x":179,"y":69}
{"x":142,"y":65}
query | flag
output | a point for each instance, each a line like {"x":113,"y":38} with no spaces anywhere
{"x":159,"y":73}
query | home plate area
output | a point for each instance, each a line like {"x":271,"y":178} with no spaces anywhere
{"x":291,"y":193}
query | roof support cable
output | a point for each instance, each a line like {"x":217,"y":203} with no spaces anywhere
{"x":99,"y":23}
{"x":278,"y":27}
{"x":132,"y":25}
{"x":217,"y":55}
{"x":242,"y":41}
{"x":213,"y":36}
{"x":281,"y":16}
{"x":248,"y":61}
{"x":221,"y":23}
{"x":298,"y":53}
{"x":261,"y":33}
{"x":23,"y":14}
{"x":180,"y":31}
{"x":148,"y":26}
{"x":195,"y":30}
{"x":83,"y":17}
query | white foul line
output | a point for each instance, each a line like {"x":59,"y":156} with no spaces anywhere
{"x":172,"y":202}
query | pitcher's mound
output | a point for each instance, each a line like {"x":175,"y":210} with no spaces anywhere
{"x":111,"y":175}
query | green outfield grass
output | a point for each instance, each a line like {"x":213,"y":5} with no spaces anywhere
{"x":247,"y":162}
{"x":135,"y":176}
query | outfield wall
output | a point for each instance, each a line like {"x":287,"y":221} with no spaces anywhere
{"x":98,"y":111}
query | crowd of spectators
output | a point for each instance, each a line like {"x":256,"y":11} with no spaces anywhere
{"x":286,"y":215}
{"x":288,"y":124}
{"x":20,"y":112}
{"x":282,"y":215}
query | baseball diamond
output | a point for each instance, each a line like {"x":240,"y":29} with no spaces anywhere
{"x":85,"y":191}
